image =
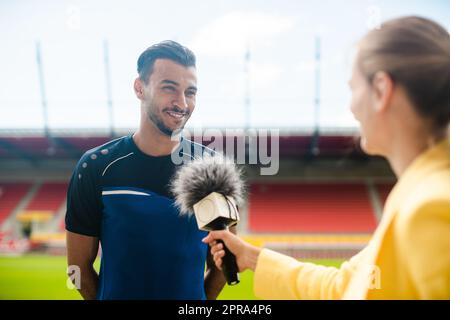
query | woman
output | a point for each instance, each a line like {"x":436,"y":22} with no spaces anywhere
{"x":401,"y":97}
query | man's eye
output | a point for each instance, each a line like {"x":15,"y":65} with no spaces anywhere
{"x":191,"y":93}
{"x":169,"y":89}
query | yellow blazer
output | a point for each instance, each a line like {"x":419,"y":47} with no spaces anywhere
{"x":408,"y":256}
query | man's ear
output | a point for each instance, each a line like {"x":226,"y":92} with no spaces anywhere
{"x":139,"y":88}
{"x":382,"y":89}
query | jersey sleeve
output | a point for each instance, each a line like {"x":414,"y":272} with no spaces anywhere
{"x":83,"y":215}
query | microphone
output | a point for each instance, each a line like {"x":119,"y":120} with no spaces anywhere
{"x":211,"y":188}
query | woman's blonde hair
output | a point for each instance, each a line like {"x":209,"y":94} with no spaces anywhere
{"x":415,"y":52}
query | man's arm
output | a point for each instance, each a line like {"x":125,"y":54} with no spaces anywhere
{"x":214,"y":278}
{"x":81,"y":252}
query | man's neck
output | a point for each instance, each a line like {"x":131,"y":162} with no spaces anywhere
{"x":153,"y":142}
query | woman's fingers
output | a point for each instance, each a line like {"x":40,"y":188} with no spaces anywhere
{"x":217,"y":253}
{"x":215,"y":235}
{"x":217,"y":257}
{"x":216,"y":248}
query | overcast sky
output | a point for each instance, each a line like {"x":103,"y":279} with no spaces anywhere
{"x":279,"y":34}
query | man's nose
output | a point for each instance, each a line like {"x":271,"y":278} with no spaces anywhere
{"x":181,"y":102}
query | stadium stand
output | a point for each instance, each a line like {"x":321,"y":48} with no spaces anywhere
{"x":310,"y":208}
{"x":384,"y":190}
{"x":62,"y":224}
{"x":314,"y":219}
{"x":10,"y":196}
{"x":72,"y":147}
{"x":48,"y":198}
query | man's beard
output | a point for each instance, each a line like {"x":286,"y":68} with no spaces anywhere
{"x":159,"y":123}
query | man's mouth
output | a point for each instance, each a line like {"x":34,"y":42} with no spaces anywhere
{"x":176,"y":114}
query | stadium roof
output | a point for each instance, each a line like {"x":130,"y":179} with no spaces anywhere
{"x":33,"y":145}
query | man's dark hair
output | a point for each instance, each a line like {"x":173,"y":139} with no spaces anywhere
{"x":167,"y":49}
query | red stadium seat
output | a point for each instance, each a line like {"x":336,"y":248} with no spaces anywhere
{"x":311,"y":208}
{"x":48,"y":198}
{"x":10,"y":196}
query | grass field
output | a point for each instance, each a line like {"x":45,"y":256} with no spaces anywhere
{"x":44,"y":277}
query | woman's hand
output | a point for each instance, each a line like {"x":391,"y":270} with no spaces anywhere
{"x":246,"y":254}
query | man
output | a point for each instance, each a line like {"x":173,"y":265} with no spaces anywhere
{"x":119,"y":197}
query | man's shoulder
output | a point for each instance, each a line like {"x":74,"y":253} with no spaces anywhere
{"x":98,"y":157}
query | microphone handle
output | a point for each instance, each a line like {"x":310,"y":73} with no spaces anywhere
{"x":229,"y":266}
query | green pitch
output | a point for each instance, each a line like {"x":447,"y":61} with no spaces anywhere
{"x":44,"y":277}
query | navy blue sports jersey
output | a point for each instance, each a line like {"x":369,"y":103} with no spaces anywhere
{"x":149,"y":251}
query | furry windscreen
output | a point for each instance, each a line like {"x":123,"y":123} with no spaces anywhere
{"x":202,"y":176}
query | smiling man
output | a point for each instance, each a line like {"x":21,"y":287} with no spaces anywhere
{"x":119,"y":197}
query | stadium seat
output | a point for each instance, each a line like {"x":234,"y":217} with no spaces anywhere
{"x":311,"y":208}
{"x":10,"y":196}
{"x":48,"y":198}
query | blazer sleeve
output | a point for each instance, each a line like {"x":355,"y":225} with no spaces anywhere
{"x":424,"y":239}
{"x":281,"y":277}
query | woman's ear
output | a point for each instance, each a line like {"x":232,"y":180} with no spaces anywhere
{"x":382,"y":90}
{"x":139,"y":88}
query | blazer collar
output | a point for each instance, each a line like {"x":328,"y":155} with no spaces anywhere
{"x":431,"y":160}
